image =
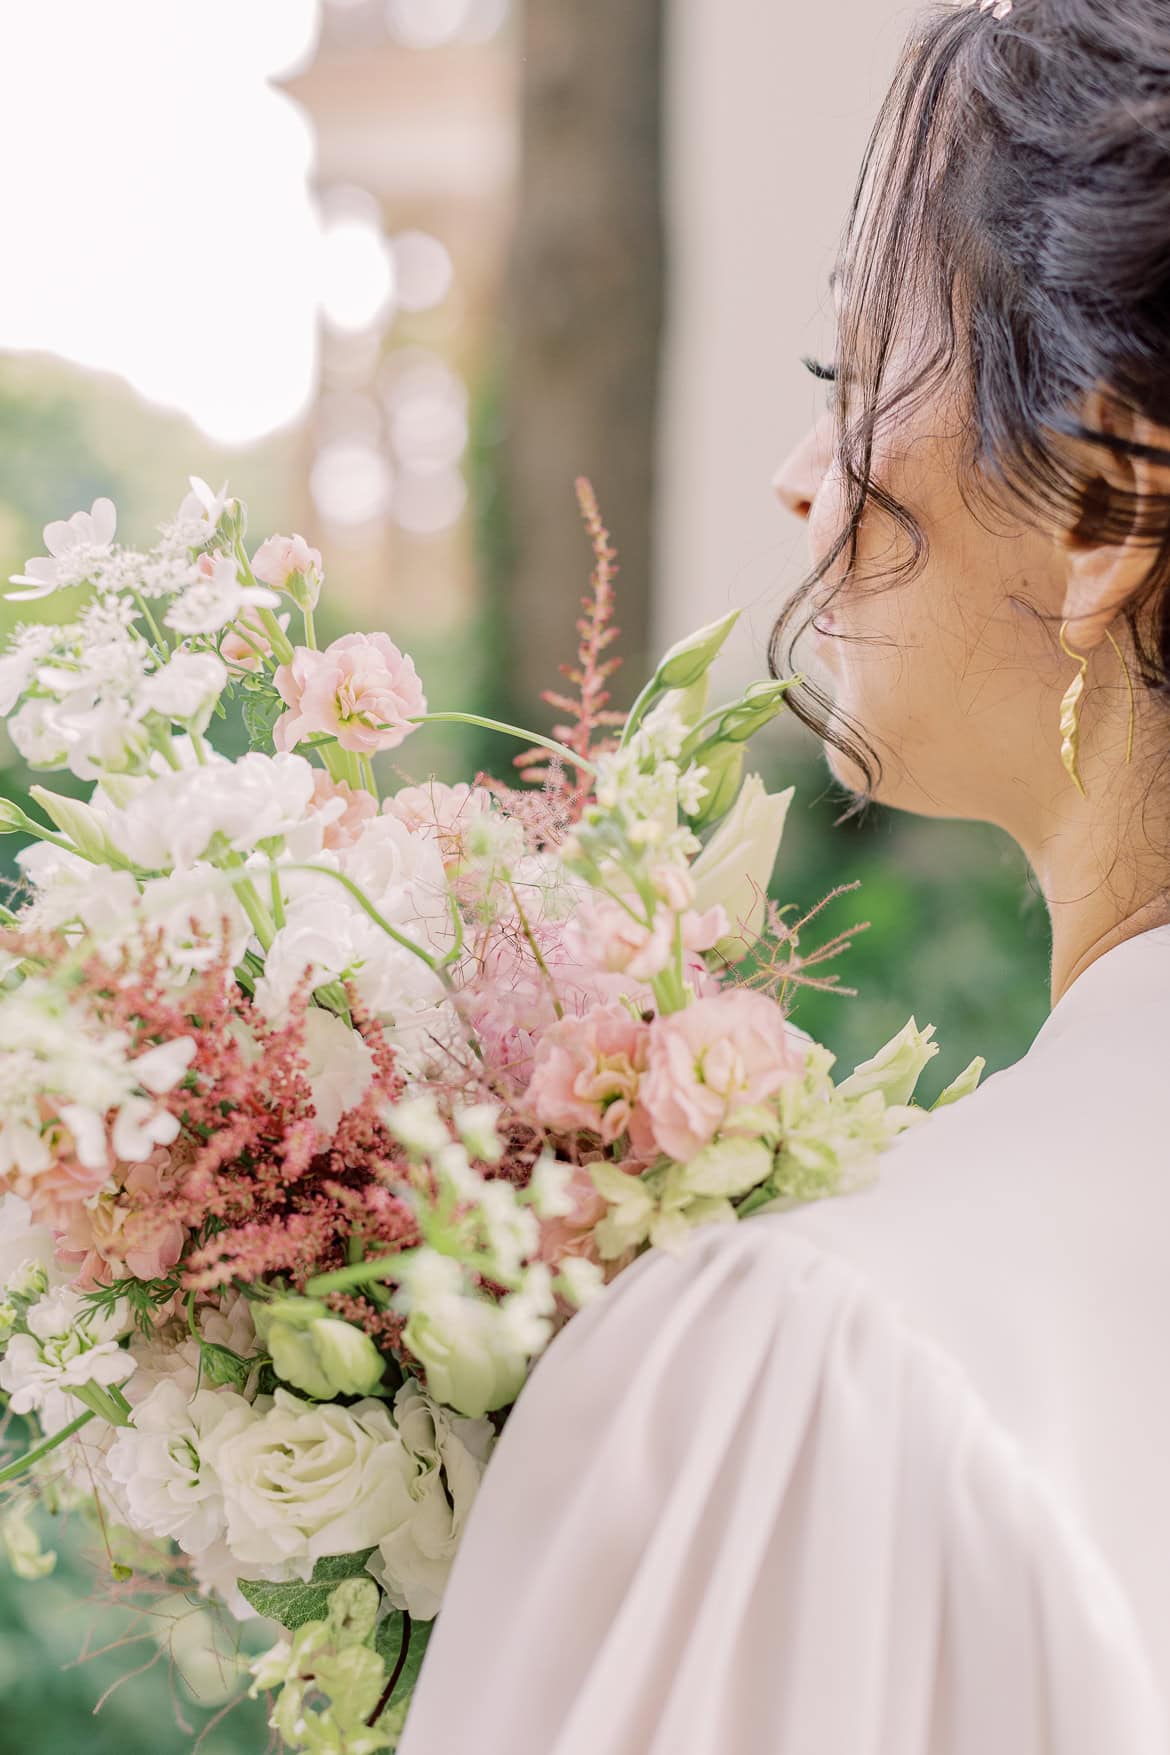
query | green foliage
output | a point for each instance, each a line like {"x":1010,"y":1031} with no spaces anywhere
{"x":261,"y":707}
{"x":388,"y":1641}
{"x":296,"y":1603}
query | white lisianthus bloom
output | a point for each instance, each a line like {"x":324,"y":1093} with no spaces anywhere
{"x":735,"y":867}
{"x":340,"y":1067}
{"x":216,"y":598}
{"x":894,"y":1070}
{"x":76,"y":545}
{"x":301,"y":1482}
{"x":449,"y":1456}
{"x":186,"y":689}
{"x":476,"y":1353}
{"x":166,"y":1487}
{"x":69,"y":1344}
{"x":173,"y":821}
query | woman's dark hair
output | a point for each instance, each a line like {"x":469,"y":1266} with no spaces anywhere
{"x":1013,"y":215}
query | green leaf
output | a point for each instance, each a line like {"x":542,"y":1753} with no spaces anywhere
{"x":262,"y":707}
{"x":388,"y":1643}
{"x":294,"y":1603}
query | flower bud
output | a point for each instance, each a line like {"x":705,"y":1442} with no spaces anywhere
{"x":14,"y":821}
{"x":724,"y":765}
{"x":80,"y":822}
{"x":316,"y":1352}
{"x":221,"y":1367}
{"x":689,"y":704}
{"x":735,"y":867}
{"x":895,"y":1069}
{"x":756,"y":707}
{"x":288,"y":564}
{"x":964,"y":1086}
{"x":690,"y":659}
{"x":477,"y":1129}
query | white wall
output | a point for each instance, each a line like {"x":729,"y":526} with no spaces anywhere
{"x":769,"y":103}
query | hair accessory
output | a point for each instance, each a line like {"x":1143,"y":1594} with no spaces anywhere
{"x":997,"y":8}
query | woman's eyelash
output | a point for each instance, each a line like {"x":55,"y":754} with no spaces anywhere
{"x":827,"y":374}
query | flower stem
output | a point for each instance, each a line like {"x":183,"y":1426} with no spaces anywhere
{"x":387,"y":1693}
{"x":10,"y":1472}
{"x":434,"y":964}
{"x":310,"y":630}
{"x":547,"y":743}
{"x":282,"y":646}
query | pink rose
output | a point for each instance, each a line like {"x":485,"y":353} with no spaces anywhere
{"x":716,"y":1057}
{"x":281,"y":558}
{"x":587,"y":1072}
{"x":343,"y":811}
{"x":361,"y":690}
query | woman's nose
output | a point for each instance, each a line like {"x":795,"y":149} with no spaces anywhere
{"x":798,"y":479}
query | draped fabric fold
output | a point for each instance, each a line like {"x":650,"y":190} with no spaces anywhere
{"x":743,"y":1509}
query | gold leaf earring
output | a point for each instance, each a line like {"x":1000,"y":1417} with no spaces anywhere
{"x":1070,"y":713}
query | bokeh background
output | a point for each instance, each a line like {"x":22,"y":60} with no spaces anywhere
{"x":400,"y":270}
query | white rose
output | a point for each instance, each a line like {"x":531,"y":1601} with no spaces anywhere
{"x":167,"y":1488}
{"x":300,"y":1481}
{"x":449,"y":1456}
{"x":735,"y":867}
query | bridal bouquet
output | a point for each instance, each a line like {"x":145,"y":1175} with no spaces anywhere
{"x":322,"y":1109}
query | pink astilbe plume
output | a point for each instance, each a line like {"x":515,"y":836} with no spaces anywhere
{"x":588,"y":717}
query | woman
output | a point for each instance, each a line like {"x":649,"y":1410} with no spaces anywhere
{"x":886,"y":1475}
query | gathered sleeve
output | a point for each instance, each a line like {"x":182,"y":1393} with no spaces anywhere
{"x":741,"y":1509}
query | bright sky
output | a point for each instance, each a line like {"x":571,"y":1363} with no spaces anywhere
{"x":155,"y":209}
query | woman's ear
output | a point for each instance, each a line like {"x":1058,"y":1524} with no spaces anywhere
{"x":1104,"y":575}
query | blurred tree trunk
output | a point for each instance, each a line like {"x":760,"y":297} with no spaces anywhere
{"x":584,"y":318}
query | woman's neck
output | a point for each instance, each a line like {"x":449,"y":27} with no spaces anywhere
{"x":1101,"y":888}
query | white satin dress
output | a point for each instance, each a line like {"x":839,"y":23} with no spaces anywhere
{"x":887,"y":1475}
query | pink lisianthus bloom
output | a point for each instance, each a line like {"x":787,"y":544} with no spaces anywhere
{"x":587,"y":1073}
{"x":125,"y":1235}
{"x":718,"y":1056}
{"x":281,"y":558}
{"x":361,"y":690}
{"x":247,"y":651}
{"x":343,"y":810}
{"x":606,"y":935}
